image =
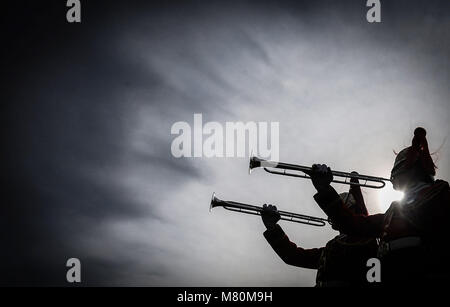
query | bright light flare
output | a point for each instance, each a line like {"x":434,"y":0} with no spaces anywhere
{"x":387,"y":195}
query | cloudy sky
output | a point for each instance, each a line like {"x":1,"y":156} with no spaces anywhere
{"x":87,"y":110}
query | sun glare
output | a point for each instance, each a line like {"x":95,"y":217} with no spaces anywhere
{"x":387,"y":196}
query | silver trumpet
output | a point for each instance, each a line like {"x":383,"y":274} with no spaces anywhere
{"x":284,"y":168}
{"x":249,"y":209}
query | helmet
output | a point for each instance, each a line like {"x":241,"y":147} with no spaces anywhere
{"x":417,"y":155}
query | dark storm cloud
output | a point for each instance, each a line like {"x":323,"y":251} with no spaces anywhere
{"x":75,"y":96}
{"x":65,"y":126}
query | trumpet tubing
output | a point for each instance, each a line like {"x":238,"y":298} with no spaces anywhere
{"x":255,"y":210}
{"x":284,"y":168}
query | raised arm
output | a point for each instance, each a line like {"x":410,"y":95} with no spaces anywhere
{"x":288,"y":251}
{"x":342,"y":218}
{"x":345,"y":220}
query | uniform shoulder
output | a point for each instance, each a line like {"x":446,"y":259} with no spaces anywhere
{"x":441,"y":185}
{"x":440,"y":189}
{"x":442,"y":182}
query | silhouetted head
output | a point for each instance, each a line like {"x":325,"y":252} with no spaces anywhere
{"x":414,"y":163}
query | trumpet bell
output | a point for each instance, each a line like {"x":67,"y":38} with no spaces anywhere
{"x":255,"y":162}
{"x":213,"y":201}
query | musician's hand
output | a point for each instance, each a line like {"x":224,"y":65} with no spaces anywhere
{"x":321,"y":177}
{"x":270,"y":216}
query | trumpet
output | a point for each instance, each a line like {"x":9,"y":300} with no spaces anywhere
{"x":269,"y":166}
{"x":255,"y":210}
